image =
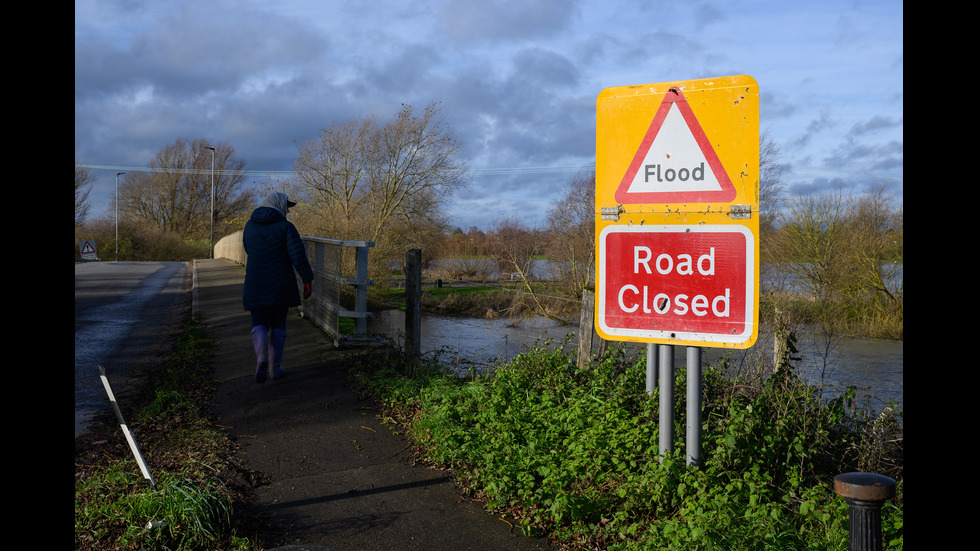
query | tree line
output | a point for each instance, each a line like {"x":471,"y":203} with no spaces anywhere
{"x":365,"y":179}
{"x":164,"y":212}
{"x":391,"y":181}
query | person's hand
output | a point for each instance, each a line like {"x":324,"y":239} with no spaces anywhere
{"x":307,"y":289}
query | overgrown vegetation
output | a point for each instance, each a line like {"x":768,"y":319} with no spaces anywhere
{"x":141,"y":243}
{"x":844,"y":253}
{"x":574,"y":453}
{"x":190,"y":506}
{"x":490,"y":301}
{"x":567,"y":452}
{"x":836,"y":258}
{"x":165,"y":213}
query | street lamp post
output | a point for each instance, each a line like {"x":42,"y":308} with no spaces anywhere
{"x":117,"y":214}
{"x":212,"y":199}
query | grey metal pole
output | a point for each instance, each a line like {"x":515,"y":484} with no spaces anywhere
{"x":118,"y":174}
{"x":693,"y":442}
{"x":652,"y":352}
{"x":212,"y":200}
{"x":360,"y":297}
{"x":666,"y":398}
{"x":586,"y":327}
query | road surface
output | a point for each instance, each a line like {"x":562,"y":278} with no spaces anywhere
{"x":127,"y":315}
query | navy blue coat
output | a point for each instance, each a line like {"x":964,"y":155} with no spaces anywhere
{"x":274,"y":249}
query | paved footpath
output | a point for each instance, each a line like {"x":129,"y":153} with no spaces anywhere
{"x":336,"y":476}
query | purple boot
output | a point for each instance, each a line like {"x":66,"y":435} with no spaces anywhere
{"x":276,"y":345}
{"x":260,"y":342}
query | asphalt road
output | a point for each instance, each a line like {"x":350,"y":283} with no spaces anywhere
{"x":127,"y":315}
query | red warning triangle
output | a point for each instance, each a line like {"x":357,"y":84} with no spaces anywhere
{"x":87,"y":247}
{"x":675,"y":162}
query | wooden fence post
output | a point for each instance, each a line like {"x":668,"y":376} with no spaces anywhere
{"x":585,"y":329}
{"x":413,"y":305}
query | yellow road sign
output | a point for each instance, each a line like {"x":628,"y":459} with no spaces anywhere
{"x":677,"y":212}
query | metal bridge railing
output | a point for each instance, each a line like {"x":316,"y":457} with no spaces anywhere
{"x":323,"y":307}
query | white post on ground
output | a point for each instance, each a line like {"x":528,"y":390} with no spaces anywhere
{"x":125,"y":428}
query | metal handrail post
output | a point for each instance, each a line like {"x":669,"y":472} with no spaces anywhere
{"x":360,"y":304}
{"x":324,"y":310}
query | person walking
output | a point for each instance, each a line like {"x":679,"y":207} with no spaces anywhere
{"x":274,"y":250}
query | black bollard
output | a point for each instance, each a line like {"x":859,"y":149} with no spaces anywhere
{"x":865,"y":493}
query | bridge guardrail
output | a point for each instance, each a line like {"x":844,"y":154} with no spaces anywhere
{"x":325,"y":256}
{"x":323,"y":307}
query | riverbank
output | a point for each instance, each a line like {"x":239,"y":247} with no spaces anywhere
{"x":572,"y":453}
{"x":488,"y":300}
{"x":769,"y":450}
{"x":491,"y":300}
{"x":198,"y":482}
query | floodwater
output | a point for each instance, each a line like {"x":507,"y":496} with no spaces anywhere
{"x":873,"y":366}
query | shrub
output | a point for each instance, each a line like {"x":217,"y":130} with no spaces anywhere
{"x":575,"y":453}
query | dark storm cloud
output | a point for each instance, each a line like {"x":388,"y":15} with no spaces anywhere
{"x":516,"y":80}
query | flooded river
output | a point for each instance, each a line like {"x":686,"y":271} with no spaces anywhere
{"x":873,"y":366}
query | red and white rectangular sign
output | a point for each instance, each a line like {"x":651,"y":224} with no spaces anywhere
{"x":677,"y":283}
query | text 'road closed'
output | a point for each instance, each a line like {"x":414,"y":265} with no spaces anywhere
{"x":686,"y":282}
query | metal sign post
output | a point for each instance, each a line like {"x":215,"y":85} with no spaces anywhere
{"x":677,"y":225}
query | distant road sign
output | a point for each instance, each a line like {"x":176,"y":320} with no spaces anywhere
{"x":87,"y":250}
{"x":677,"y":212}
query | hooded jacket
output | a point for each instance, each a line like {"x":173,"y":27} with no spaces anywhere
{"x":274,"y":250}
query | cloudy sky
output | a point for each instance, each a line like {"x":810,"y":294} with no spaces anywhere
{"x":517,"y":81}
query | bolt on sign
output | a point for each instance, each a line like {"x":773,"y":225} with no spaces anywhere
{"x":677,"y":212}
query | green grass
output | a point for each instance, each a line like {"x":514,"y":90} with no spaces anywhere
{"x":114,"y":509}
{"x":567,"y":453}
{"x":459,"y":300}
{"x":574,"y":454}
{"x":396,"y":295}
{"x":190,"y":506}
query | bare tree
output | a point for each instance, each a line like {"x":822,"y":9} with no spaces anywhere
{"x":770,"y":180}
{"x":875,"y":227}
{"x":515,"y":247}
{"x":771,"y":198}
{"x":83,"y":178}
{"x":333,"y":168}
{"x":174,"y":195}
{"x":814,"y":237}
{"x":384,"y":183}
{"x":571,"y":229}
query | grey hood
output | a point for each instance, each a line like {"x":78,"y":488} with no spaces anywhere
{"x":277,"y":200}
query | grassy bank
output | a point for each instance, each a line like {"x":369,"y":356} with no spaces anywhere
{"x":549,"y":448}
{"x":484,"y":300}
{"x":507,"y":299}
{"x":192,"y":463}
{"x":574,"y":453}
{"x":851,"y":317}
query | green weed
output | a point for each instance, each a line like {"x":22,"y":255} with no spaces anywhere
{"x":574,"y":454}
{"x":189,"y":507}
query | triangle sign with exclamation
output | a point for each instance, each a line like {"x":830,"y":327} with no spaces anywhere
{"x":675,"y":162}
